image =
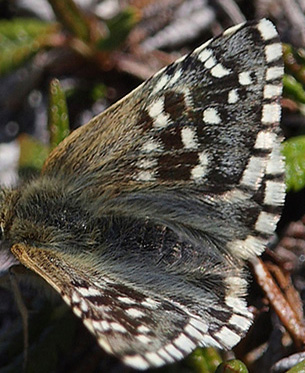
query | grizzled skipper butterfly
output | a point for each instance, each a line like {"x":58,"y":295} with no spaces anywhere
{"x":142,"y":219}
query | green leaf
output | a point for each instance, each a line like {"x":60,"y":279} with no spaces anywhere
{"x":33,"y":153}
{"x":21,"y":39}
{"x":72,"y":17}
{"x":204,"y":360}
{"x":293,"y":89}
{"x":294,"y":152}
{"x":58,"y":119}
{"x":294,"y":61}
{"x":119,"y":28}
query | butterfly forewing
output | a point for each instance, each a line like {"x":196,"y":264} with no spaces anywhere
{"x":195,"y":122}
{"x":167,"y":192}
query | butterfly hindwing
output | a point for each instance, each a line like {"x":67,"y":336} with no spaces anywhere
{"x":142,"y":327}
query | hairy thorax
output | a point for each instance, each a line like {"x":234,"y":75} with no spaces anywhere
{"x":46,"y":214}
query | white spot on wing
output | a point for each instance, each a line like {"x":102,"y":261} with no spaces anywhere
{"x":192,"y":332}
{"x":273,"y":52}
{"x":75,"y":297}
{"x":66,"y":299}
{"x":189,"y":138}
{"x":145,"y":176}
{"x":126,"y":300}
{"x":134,"y":313}
{"x":143,"y":339}
{"x":207,"y":340}
{"x":271,"y":113}
{"x":254,"y":172}
{"x":198,"y":324}
{"x":105,"y":345}
{"x":88,"y":324}
{"x":177,"y":75}
{"x":274,"y":72}
{"x":172,"y":350}
{"x":165,"y":355}
{"x":211,"y":116}
{"x":105,"y":325}
{"x":244,"y":78}
{"x":136,"y":361}
{"x":77,"y":311}
{"x":238,"y":304}
{"x":236,"y":286}
{"x":227,"y":337}
{"x":147,"y":163}
{"x":83,"y":306}
{"x":274,"y":193}
{"x":247,"y":248}
{"x":151,"y":146}
{"x":184,"y":343}
{"x":266,"y":222}
{"x":265,"y":140}
{"x":272,"y":91}
{"x":157,"y":113}
{"x":219,"y":71}
{"x":199,"y":171}
{"x":210,"y":62}
{"x":97,"y":326}
{"x":204,"y":55}
{"x":276,"y":162}
{"x":118,"y":327}
{"x":93,"y":292}
{"x":84,"y":291}
{"x":267,"y":29}
{"x":154,"y":358}
{"x":233,"y":96}
{"x":143,"y":329}
{"x":161,"y":83}
{"x":236,"y":283}
{"x":150,"y":303}
{"x":89,"y":292}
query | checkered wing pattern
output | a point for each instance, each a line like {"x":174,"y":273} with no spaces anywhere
{"x":184,"y":179}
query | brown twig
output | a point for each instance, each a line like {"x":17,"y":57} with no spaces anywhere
{"x":282,"y":307}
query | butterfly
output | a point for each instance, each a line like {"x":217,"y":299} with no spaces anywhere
{"x":142,"y":219}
